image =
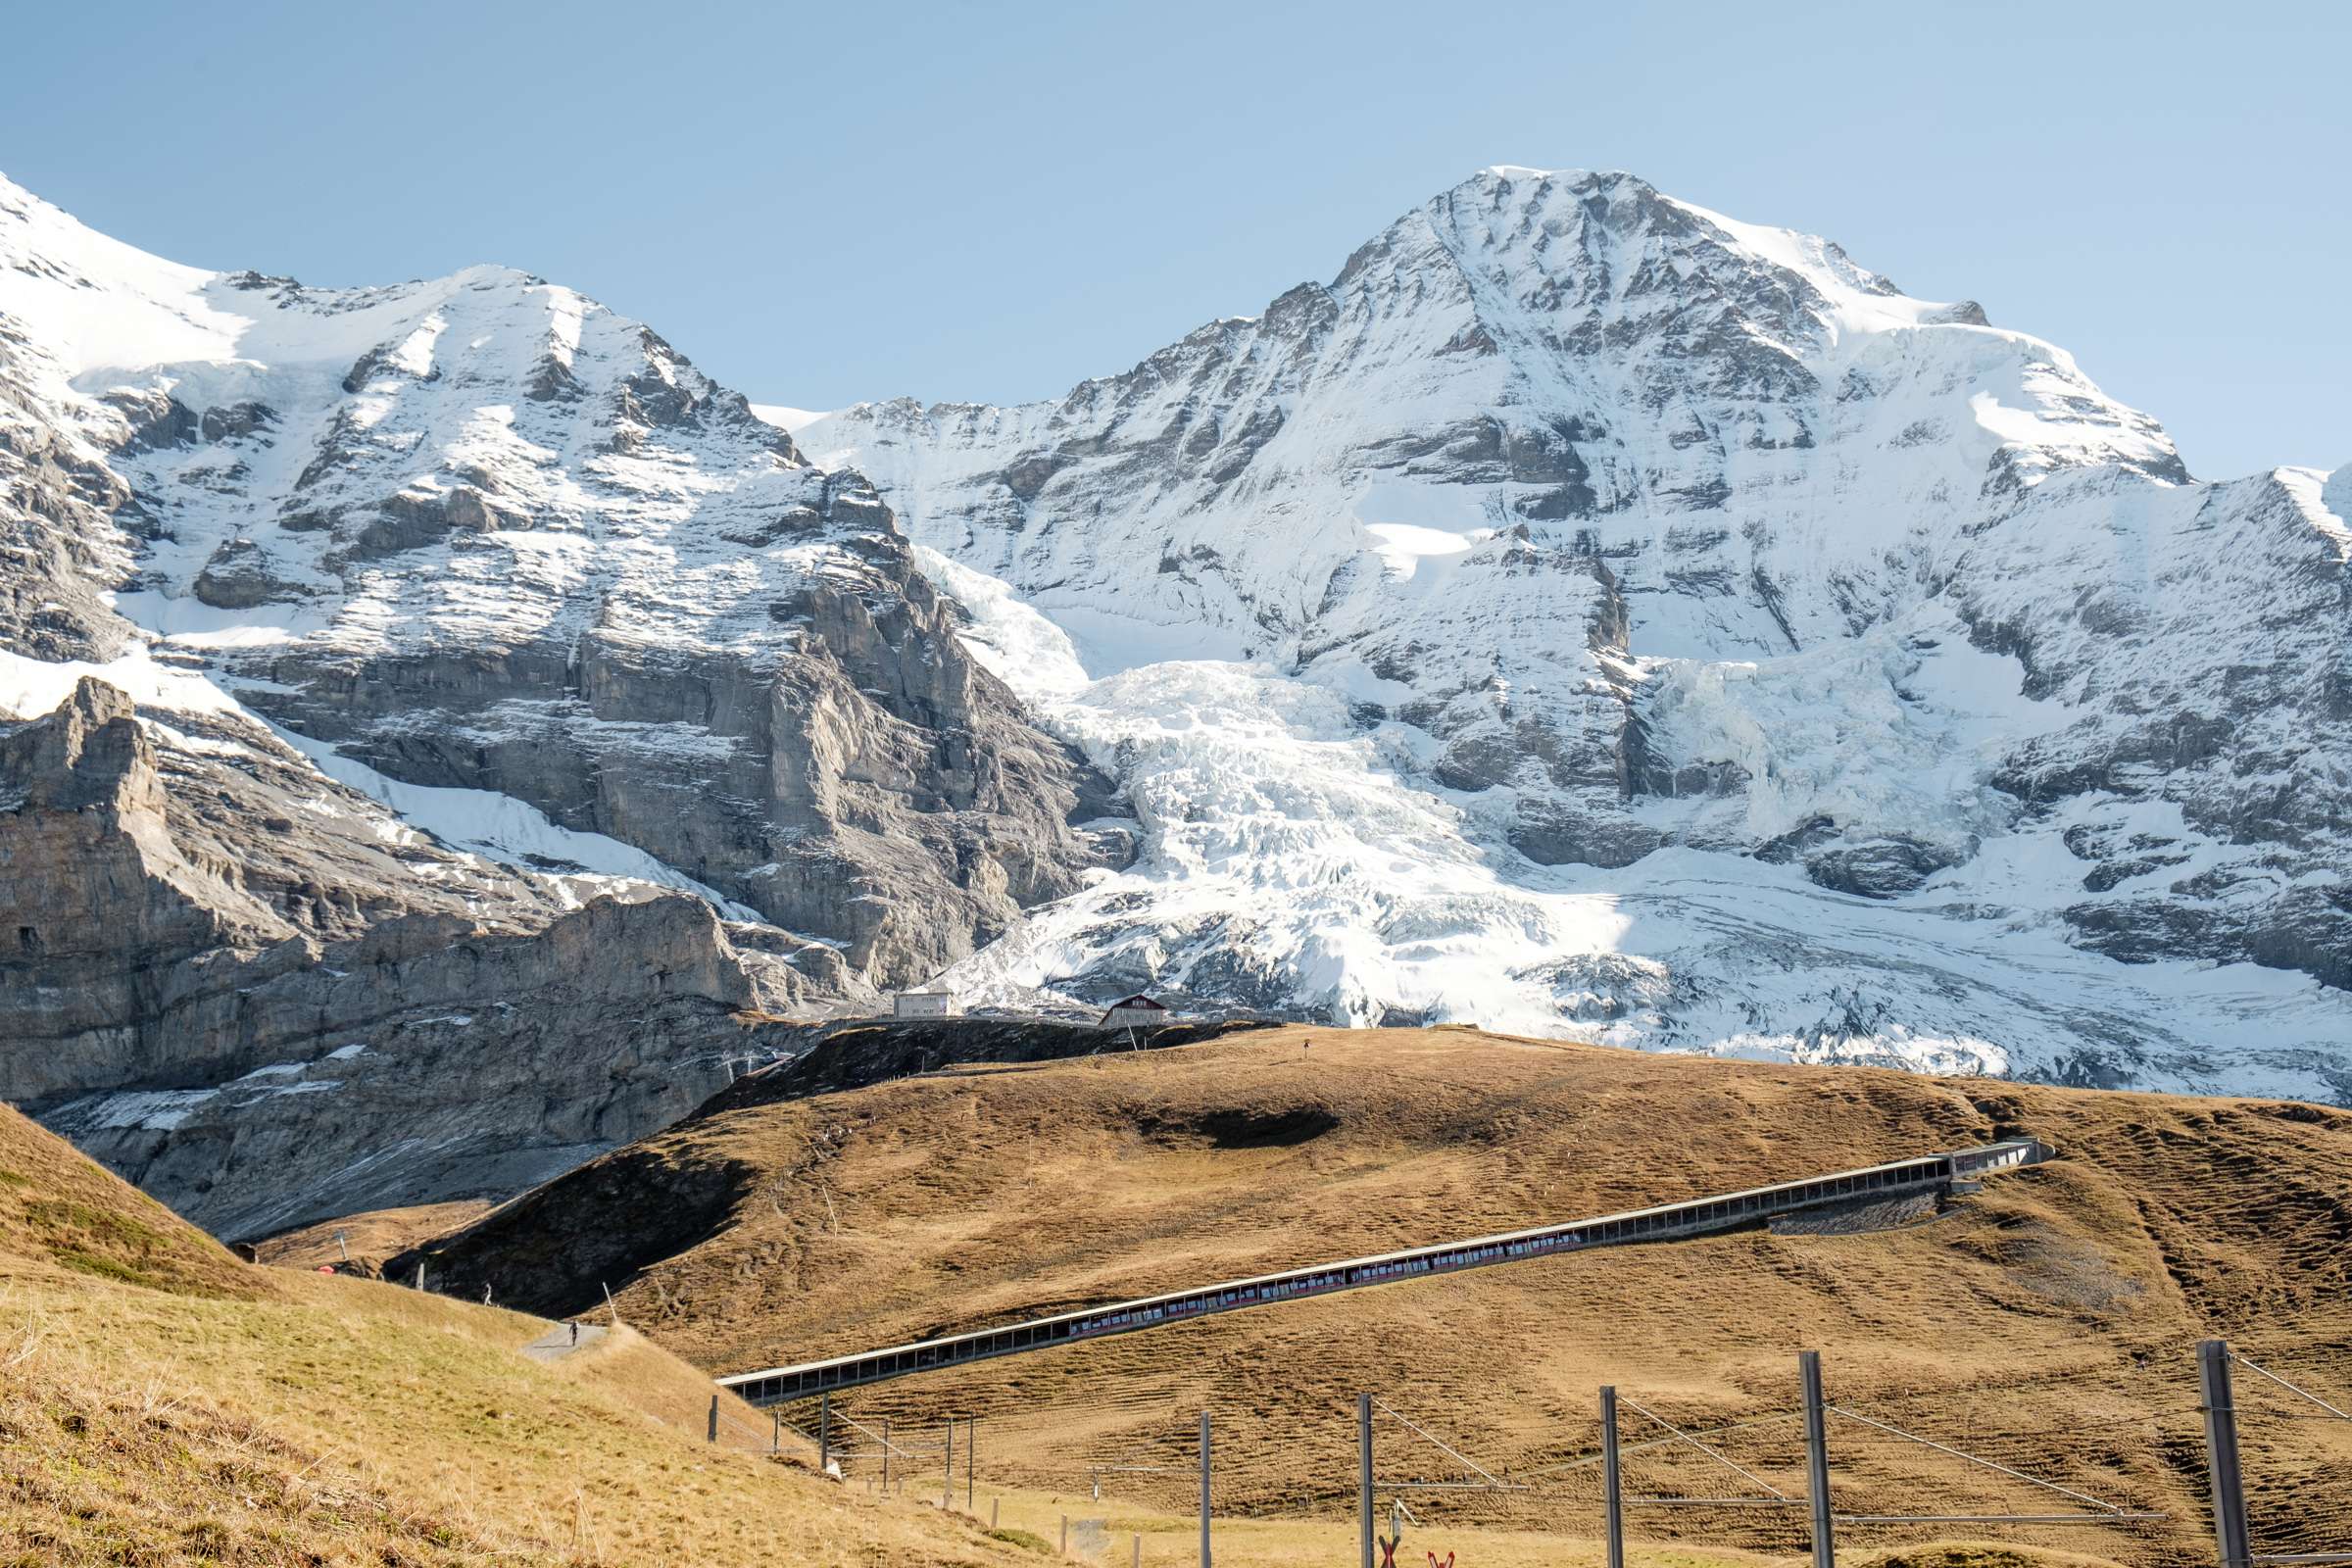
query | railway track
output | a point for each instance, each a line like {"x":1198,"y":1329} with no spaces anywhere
{"x":1700,"y":1216}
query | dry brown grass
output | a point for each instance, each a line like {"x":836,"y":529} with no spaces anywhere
{"x":369,"y":1238}
{"x":168,"y":1404}
{"x":2048,"y":1321}
{"x":58,"y":1209}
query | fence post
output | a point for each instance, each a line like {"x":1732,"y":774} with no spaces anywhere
{"x":2220,"y":1450}
{"x":1205,"y":1489}
{"x":1065,"y":1535}
{"x":824,"y":1432}
{"x":1363,"y":1479}
{"x":971,"y":1463}
{"x":947,"y":1490}
{"x":775,"y":1432}
{"x":886,"y":1456}
{"x":1817,"y":1462}
{"x":714,"y":1433}
{"x":1611,"y":1488}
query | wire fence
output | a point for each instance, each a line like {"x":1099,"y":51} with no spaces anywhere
{"x":2290,"y":1436}
{"x":2113,"y":1462}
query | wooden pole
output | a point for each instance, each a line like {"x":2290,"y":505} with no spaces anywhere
{"x":1817,"y":1461}
{"x":1612,"y":1504}
{"x":1205,"y":1489}
{"x":2221,"y":1452}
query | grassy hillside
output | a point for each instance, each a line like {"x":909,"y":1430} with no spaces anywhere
{"x":369,"y":1238}
{"x":2047,"y":1322}
{"x":61,"y":1215}
{"x":160,"y":1403}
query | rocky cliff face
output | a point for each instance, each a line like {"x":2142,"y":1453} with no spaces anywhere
{"x":261,"y":996}
{"x":482,"y":533}
{"x":1670,"y":632}
{"x":564,"y":617}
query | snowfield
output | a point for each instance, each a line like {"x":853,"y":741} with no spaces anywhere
{"x":1289,"y":859}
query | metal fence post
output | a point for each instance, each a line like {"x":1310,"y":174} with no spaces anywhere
{"x":714,"y":1433}
{"x":775,"y":1432}
{"x":971,"y":1463}
{"x":1611,"y":1488}
{"x":886,"y":1456}
{"x":824,"y":1432}
{"x":1363,"y":1479}
{"x":1817,"y":1461}
{"x":947,"y":1490}
{"x":2221,"y":1448}
{"x":1205,"y":1489}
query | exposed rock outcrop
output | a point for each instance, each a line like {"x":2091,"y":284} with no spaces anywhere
{"x":485,"y":534}
{"x":205,"y":937}
{"x":473,"y":534}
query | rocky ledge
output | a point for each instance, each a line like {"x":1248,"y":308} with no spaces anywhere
{"x":255,"y":993}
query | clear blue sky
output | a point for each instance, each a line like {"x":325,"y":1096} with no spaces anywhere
{"x":991,"y":202}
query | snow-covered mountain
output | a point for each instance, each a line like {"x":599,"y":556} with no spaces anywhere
{"x":1585,"y":615}
{"x":478,"y":558}
{"x":1592,"y":615}
{"x":480,"y":532}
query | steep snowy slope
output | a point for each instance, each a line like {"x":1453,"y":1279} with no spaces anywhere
{"x":476,"y":558}
{"x":479,"y":533}
{"x":1592,"y":613}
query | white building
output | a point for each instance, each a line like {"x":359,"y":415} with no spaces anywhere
{"x":1138,"y":1011}
{"x":923,"y":1004}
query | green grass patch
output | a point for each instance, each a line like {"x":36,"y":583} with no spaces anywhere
{"x":107,"y":1269}
{"x":1027,"y":1539}
{"x":63,"y":1213}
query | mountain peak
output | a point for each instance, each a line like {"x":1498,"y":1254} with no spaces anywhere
{"x":1520,"y":174}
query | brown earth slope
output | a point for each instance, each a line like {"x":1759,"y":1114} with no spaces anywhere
{"x":2048,"y":1322}
{"x":162,"y":1402}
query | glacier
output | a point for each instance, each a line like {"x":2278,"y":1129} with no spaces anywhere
{"x":1593,"y":616}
